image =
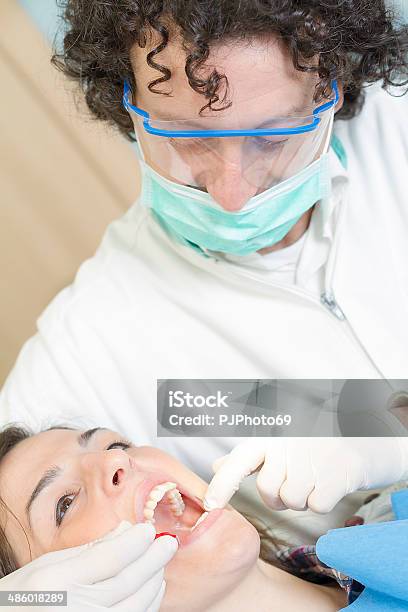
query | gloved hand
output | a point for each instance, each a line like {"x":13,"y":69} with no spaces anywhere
{"x":123,"y":571}
{"x":315,"y":473}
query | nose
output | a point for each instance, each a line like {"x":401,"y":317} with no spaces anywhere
{"x":228,"y":186}
{"x":108,"y":471}
{"x":230,"y":189}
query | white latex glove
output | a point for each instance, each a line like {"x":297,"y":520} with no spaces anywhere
{"x":123,"y":571}
{"x":315,"y":473}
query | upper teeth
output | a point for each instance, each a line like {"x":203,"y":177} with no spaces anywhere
{"x":157,"y":493}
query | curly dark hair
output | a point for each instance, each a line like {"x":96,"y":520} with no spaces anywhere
{"x":358,"y":42}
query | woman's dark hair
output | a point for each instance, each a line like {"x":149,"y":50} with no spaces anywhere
{"x":10,"y":436}
{"x":358,"y":42}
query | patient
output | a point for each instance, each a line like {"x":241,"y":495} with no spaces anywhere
{"x":102,"y":479}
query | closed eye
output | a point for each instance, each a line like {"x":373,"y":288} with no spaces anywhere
{"x":271,"y":144}
{"x":124,"y":444}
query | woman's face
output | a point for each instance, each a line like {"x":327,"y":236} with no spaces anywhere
{"x":68,"y":487}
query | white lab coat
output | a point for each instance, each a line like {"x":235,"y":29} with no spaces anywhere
{"x":144,"y":308}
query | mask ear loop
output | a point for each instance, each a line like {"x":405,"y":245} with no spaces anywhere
{"x":329,"y":133}
{"x":139,"y":150}
{"x":332,"y":260}
{"x":323,"y":159}
{"x":137,"y":145}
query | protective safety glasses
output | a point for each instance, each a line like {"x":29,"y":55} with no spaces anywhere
{"x":264,"y":156}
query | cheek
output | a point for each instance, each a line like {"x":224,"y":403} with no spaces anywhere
{"x":24,"y":551}
{"x":149,"y":459}
{"x":82,"y":530}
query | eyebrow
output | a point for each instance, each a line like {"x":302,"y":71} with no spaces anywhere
{"x":52,"y":473}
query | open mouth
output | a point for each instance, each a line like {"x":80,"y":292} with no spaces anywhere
{"x":171,"y":509}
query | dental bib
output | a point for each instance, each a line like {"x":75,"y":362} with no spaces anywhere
{"x":374,"y":555}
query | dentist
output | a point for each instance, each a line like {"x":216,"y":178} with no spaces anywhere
{"x":269,"y":239}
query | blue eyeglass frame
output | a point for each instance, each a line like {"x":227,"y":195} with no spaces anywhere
{"x":226,"y":133}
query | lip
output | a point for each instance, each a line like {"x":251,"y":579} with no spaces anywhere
{"x":142,"y":492}
{"x":202,"y":528}
{"x":185,"y":537}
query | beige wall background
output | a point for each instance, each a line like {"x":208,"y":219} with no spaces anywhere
{"x":63,"y":178}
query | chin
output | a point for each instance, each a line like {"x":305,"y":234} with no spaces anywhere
{"x":206,"y":570}
{"x":216,"y":549}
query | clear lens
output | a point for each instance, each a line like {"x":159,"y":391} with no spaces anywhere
{"x":234,"y":122}
{"x":261,"y":161}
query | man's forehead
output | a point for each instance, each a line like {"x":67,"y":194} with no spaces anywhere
{"x":261,"y":71}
